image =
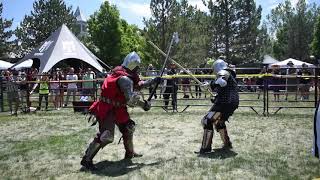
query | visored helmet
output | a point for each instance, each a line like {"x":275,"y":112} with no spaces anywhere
{"x":219,"y":65}
{"x":131,"y":61}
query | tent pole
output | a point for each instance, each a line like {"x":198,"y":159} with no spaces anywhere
{"x":104,"y":64}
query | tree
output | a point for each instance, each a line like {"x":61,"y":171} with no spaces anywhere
{"x":160,"y":27}
{"x":193,"y":33}
{"x":234,"y":29}
{"x":131,"y":40}
{"x":293,"y":28}
{"x":45,"y":18}
{"x":316,"y":40}
{"x":5,"y":34}
{"x":112,"y":37}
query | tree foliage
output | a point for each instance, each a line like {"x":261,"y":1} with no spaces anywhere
{"x":316,"y":40}
{"x":45,"y":18}
{"x":234,"y":27}
{"x":293,"y":28}
{"x":5,"y":34}
{"x":105,"y":32}
{"x":112,"y":36}
{"x":230,"y":29}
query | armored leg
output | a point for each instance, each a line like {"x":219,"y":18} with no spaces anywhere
{"x":127,"y":133}
{"x":104,"y":137}
{"x":225,"y":138}
{"x":91,"y":151}
{"x":207,"y":122}
{"x":206,"y":141}
{"x":222,"y":129}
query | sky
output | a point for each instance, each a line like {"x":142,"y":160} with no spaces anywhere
{"x":132,"y":11}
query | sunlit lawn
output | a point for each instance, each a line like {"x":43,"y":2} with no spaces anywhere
{"x":50,"y":145}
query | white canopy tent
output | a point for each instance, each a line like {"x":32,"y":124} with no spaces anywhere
{"x":269,"y":60}
{"x":61,"y":45}
{"x":296,"y":63}
{"x":5,"y":65}
{"x":25,"y":64}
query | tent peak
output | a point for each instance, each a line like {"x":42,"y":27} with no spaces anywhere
{"x":61,"y":45}
{"x":80,"y":15}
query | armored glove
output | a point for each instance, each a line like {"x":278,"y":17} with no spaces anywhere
{"x":205,"y":86}
{"x":147,"y":105}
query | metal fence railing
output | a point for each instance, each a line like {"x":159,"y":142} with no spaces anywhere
{"x":264,"y":93}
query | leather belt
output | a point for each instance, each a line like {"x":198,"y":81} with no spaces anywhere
{"x":109,"y":101}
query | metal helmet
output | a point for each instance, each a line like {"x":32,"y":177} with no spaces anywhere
{"x":131,"y":61}
{"x":219,"y":65}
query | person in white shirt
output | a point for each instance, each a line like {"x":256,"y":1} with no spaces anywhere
{"x":72,"y":86}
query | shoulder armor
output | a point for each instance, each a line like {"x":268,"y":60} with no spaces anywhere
{"x":224,"y":74}
{"x":126,"y":86}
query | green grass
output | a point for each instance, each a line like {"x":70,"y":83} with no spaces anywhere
{"x":49,"y":145}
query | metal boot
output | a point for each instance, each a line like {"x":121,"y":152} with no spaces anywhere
{"x":128,"y":145}
{"x":206,"y":141}
{"x":92,"y":150}
{"x":225,"y":138}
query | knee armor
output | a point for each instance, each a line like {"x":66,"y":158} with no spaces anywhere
{"x":131,"y":127}
{"x":106,"y":137}
{"x":220,"y":124}
{"x":209,"y":119}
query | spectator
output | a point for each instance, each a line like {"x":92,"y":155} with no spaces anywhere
{"x":305,"y":82}
{"x":197,"y":86}
{"x":291,"y":81}
{"x":55,"y":91}
{"x":171,"y":89}
{"x":72,"y":86}
{"x":62,"y":86}
{"x":24,"y":91}
{"x":260,"y":81}
{"x":44,"y":90}
{"x":151,"y":73}
{"x":275,"y":84}
{"x":80,"y":77}
{"x":13,"y":91}
{"x":88,"y":84}
{"x":186,"y":87}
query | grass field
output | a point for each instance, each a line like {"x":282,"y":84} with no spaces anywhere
{"x":49,"y":145}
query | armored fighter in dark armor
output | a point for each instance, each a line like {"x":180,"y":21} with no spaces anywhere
{"x":118,"y":90}
{"x":225,"y":103}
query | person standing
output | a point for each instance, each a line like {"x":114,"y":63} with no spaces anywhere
{"x":61,"y":76}
{"x":44,"y":90}
{"x":13,"y":91}
{"x":197,"y":86}
{"x":171,"y":88}
{"x":55,"y":90}
{"x":304,"y":82}
{"x":72,"y":86}
{"x":118,"y":90}
{"x":151,"y":73}
{"x":88,"y":84}
{"x":225,"y":103}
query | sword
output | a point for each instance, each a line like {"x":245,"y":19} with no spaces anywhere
{"x":175,"y":62}
{"x":175,"y":39}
